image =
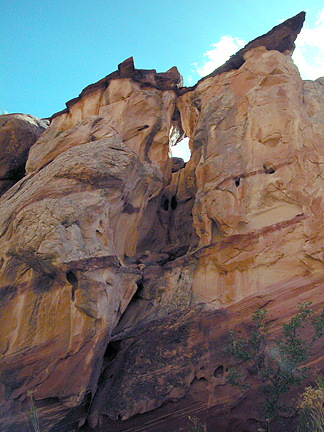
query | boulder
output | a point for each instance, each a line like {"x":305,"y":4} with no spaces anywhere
{"x":18,"y":132}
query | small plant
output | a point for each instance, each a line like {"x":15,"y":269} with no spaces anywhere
{"x":196,"y":425}
{"x":33,"y":422}
{"x":311,"y":410}
{"x":273,"y":366}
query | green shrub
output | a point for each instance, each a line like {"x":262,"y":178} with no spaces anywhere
{"x":196,"y":425}
{"x":33,"y":422}
{"x":273,"y":366}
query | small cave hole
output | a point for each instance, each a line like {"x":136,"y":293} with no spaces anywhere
{"x":140,"y":288}
{"x":165,"y":203}
{"x":112,"y":351}
{"x":174,"y":203}
{"x":269,"y":169}
{"x":73,"y":280}
{"x":237,"y":181}
{"x":218,"y":371}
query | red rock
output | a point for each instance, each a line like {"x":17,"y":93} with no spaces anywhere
{"x":121,"y":279}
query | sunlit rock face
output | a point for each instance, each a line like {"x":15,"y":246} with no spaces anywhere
{"x":134,"y":105}
{"x":123,"y":270}
{"x":258,"y":136}
{"x":67,"y":231}
{"x":64,"y":287}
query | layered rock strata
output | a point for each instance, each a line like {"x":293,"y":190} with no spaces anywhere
{"x":122,"y":271}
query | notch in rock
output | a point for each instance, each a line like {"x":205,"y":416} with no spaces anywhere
{"x":268,"y":168}
{"x":73,"y":280}
{"x":174,"y":203}
{"x":142,"y":128}
{"x":165,"y":203}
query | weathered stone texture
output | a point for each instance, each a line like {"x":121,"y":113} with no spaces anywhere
{"x":18,"y":132}
{"x":122,"y":271}
{"x":259,"y":168}
{"x":138,"y":110}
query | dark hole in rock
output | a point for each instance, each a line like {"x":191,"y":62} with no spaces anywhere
{"x":140,"y":288}
{"x":128,"y":208}
{"x":237,"y":181}
{"x":219,"y":371}
{"x":165,"y":203}
{"x":16,"y":174}
{"x":73,"y":280}
{"x":174,"y":203}
{"x":142,"y":128}
{"x":112,"y":351}
{"x":269,"y":168}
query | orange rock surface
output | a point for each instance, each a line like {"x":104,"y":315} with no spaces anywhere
{"x":122,"y":272}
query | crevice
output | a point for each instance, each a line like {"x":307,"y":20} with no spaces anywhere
{"x":142,"y":128}
{"x":73,"y":280}
{"x":140,"y":288}
{"x":174,"y":203}
{"x":112,"y":350}
{"x":165,"y":203}
{"x":150,"y":138}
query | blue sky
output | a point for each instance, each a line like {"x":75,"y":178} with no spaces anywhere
{"x":51,"y":50}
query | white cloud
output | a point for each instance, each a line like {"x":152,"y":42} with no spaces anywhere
{"x":219,"y":54}
{"x":308,"y":55}
{"x":309,"y":52}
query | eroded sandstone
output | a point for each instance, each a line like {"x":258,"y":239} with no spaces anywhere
{"x":18,"y":132}
{"x":122,"y":271}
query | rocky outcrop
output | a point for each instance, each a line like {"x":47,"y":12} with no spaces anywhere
{"x":281,"y":38}
{"x":123,"y":270}
{"x":135,"y":105}
{"x":64,"y":286}
{"x":18,"y":132}
{"x":259,"y":156}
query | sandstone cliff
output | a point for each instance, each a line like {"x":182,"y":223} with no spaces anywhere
{"x":18,"y":132}
{"x":122,"y":272}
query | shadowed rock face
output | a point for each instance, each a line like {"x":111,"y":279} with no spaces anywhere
{"x":122,"y":271}
{"x":18,"y":132}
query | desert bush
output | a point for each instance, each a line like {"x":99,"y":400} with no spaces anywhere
{"x":33,"y":421}
{"x":196,"y":425}
{"x":270,"y":365}
{"x":310,"y":408}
